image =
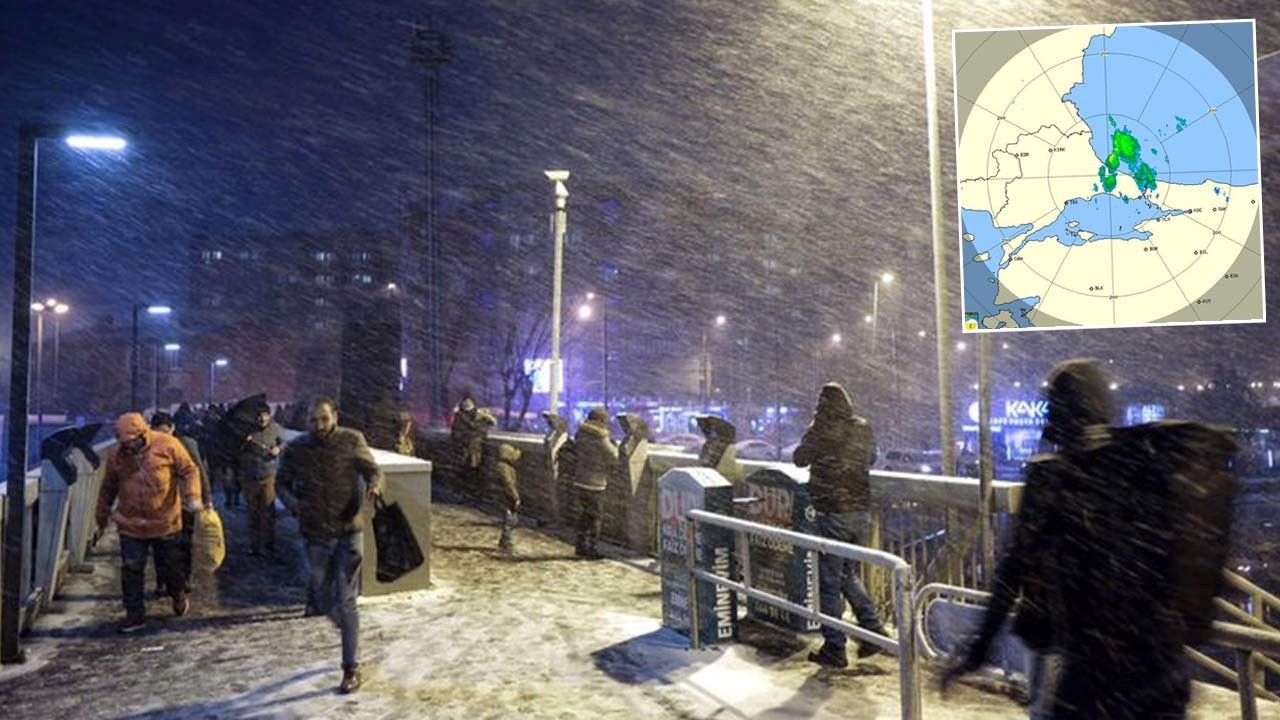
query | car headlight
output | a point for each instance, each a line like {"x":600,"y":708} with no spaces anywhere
{"x":926,"y":469}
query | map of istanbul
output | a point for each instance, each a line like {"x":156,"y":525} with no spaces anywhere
{"x":1109,"y":176}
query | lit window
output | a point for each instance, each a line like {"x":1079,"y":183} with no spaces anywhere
{"x":361,"y":257}
{"x":324,"y":256}
{"x":362,"y":279}
{"x":326,"y":280}
{"x":322,"y":302}
{"x":210,"y":256}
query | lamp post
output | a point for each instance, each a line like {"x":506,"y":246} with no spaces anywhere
{"x":41,"y":309}
{"x":29,"y":136}
{"x":134,"y":357}
{"x":561,"y":219}
{"x":585,"y":312}
{"x":707,"y":388}
{"x":214,"y":364}
{"x":59,"y":310}
{"x":172,"y":347}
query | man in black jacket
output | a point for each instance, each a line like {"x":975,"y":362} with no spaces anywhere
{"x":839,"y":448}
{"x":597,"y":459}
{"x":320,"y":480}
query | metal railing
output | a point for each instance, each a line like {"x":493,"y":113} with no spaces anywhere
{"x":1255,"y":646}
{"x":903,"y":577}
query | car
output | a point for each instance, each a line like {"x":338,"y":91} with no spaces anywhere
{"x":686,"y":442}
{"x":755,"y":450}
{"x":911,"y":461}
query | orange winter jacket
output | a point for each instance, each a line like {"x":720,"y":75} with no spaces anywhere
{"x":151,"y":488}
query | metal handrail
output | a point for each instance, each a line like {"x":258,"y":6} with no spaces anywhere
{"x":1242,"y":584}
{"x":903,"y":576}
{"x":1253,"y":645}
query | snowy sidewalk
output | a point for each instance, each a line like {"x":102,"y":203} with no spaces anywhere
{"x":540,"y":635}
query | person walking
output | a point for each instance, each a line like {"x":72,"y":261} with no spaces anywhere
{"x":597,"y":457}
{"x":148,"y":481}
{"x":1117,"y":557}
{"x":325,"y":475}
{"x":839,"y":448}
{"x":406,"y":430}
{"x":257,"y":471}
{"x":166,"y":424}
{"x":508,"y":494}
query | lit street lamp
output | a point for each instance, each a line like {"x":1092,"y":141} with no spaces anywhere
{"x":585,"y":312}
{"x":29,"y":137}
{"x":561,"y":219}
{"x":706,"y":374}
{"x":135,"y":362}
{"x":169,"y":348}
{"x":214,"y":364}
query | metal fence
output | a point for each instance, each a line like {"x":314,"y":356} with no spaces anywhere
{"x":903,"y":586}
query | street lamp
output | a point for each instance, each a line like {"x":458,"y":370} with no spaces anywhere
{"x":214,"y":364}
{"x":134,"y":357}
{"x":59,"y":310}
{"x":167,"y":347}
{"x":585,"y":313}
{"x":706,"y":388}
{"x":29,"y":137}
{"x":561,"y":219}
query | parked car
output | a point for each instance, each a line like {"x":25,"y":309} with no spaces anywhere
{"x":686,"y":442}
{"x":912,"y":461}
{"x":755,"y":450}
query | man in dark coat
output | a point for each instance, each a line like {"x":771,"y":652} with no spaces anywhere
{"x":321,"y":474}
{"x":839,"y":448}
{"x":1117,"y":556}
{"x":597,"y":457}
{"x":256,"y":463}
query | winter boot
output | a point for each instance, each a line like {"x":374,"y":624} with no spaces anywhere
{"x":830,"y":656}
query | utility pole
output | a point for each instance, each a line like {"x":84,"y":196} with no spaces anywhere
{"x":431,"y":49}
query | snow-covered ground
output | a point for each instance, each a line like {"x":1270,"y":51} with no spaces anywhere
{"x":539,"y":635}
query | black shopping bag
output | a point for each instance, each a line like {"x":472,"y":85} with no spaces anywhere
{"x":398,"y":551}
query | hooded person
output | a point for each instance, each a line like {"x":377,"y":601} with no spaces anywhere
{"x":597,"y":457}
{"x":1139,"y":517}
{"x":838,"y":448}
{"x":467,"y":435}
{"x":148,"y":480}
{"x":508,"y":493}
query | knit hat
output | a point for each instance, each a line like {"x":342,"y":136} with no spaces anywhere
{"x":161,"y":417}
{"x":129,"y":426}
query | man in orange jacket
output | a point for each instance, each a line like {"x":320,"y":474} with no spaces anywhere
{"x":149,"y":479}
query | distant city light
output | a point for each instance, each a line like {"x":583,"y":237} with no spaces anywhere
{"x":584,"y":312}
{"x":974,"y":386}
{"x":591,"y":296}
{"x":1017,"y":383}
{"x":221,"y":362}
{"x":887,"y":278}
{"x":1199,"y":388}
{"x":922,"y":333}
{"x":172,"y":347}
{"x":1182,"y":388}
{"x":1004,"y":346}
{"x":1114,"y":386}
{"x":96,"y":142}
{"x":51,"y":302}
{"x":159,"y":310}
{"x":62,"y":308}
{"x":1044,"y":383}
{"x":836,"y":338}
{"x":867,"y":319}
{"x":961,"y":345}
{"x":38,"y":307}
{"x":721,"y":320}
{"x":391,"y":287}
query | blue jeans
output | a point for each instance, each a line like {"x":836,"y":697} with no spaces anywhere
{"x":333,"y":570}
{"x":838,"y":578}
{"x":133,"y":566}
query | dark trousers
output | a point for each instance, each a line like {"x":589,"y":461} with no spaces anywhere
{"x":509,"y":521}
{"x":230,"y":486}
{"x":590,"y":511}
{"x":838,"y":578}
{"x":261,"y":497}
{"x":1136,"y":688}
{"x":184,"y":547}
{"x":333,"y":572}
{"x":133,"y":556}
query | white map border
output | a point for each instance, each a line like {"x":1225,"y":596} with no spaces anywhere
{"x":955,"y":100}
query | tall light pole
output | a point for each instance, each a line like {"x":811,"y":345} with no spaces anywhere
{"x":170,"y":349}
{"x":708,"y":389}
{"x":39,"y":309}
{"x":29,"y":136}
{"x":214,"y":364}
{"x":887,"y":279}
{"x":135,"y":362}
{"x":59,"y":310}
{"x":561,"y":220}
{"x":585,"y":311}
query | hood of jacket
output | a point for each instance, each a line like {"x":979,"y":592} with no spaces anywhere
{"x":509,"y":454}
{"x":833,"y":401}
{"x":1079,"y":395}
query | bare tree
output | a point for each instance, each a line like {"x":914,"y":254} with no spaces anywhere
{"x":523,"y":338}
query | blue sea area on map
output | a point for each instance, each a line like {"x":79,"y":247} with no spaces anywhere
{"x":980,"y":286}
{"x":1132,"y":86}
{"x":1104,"y":216}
